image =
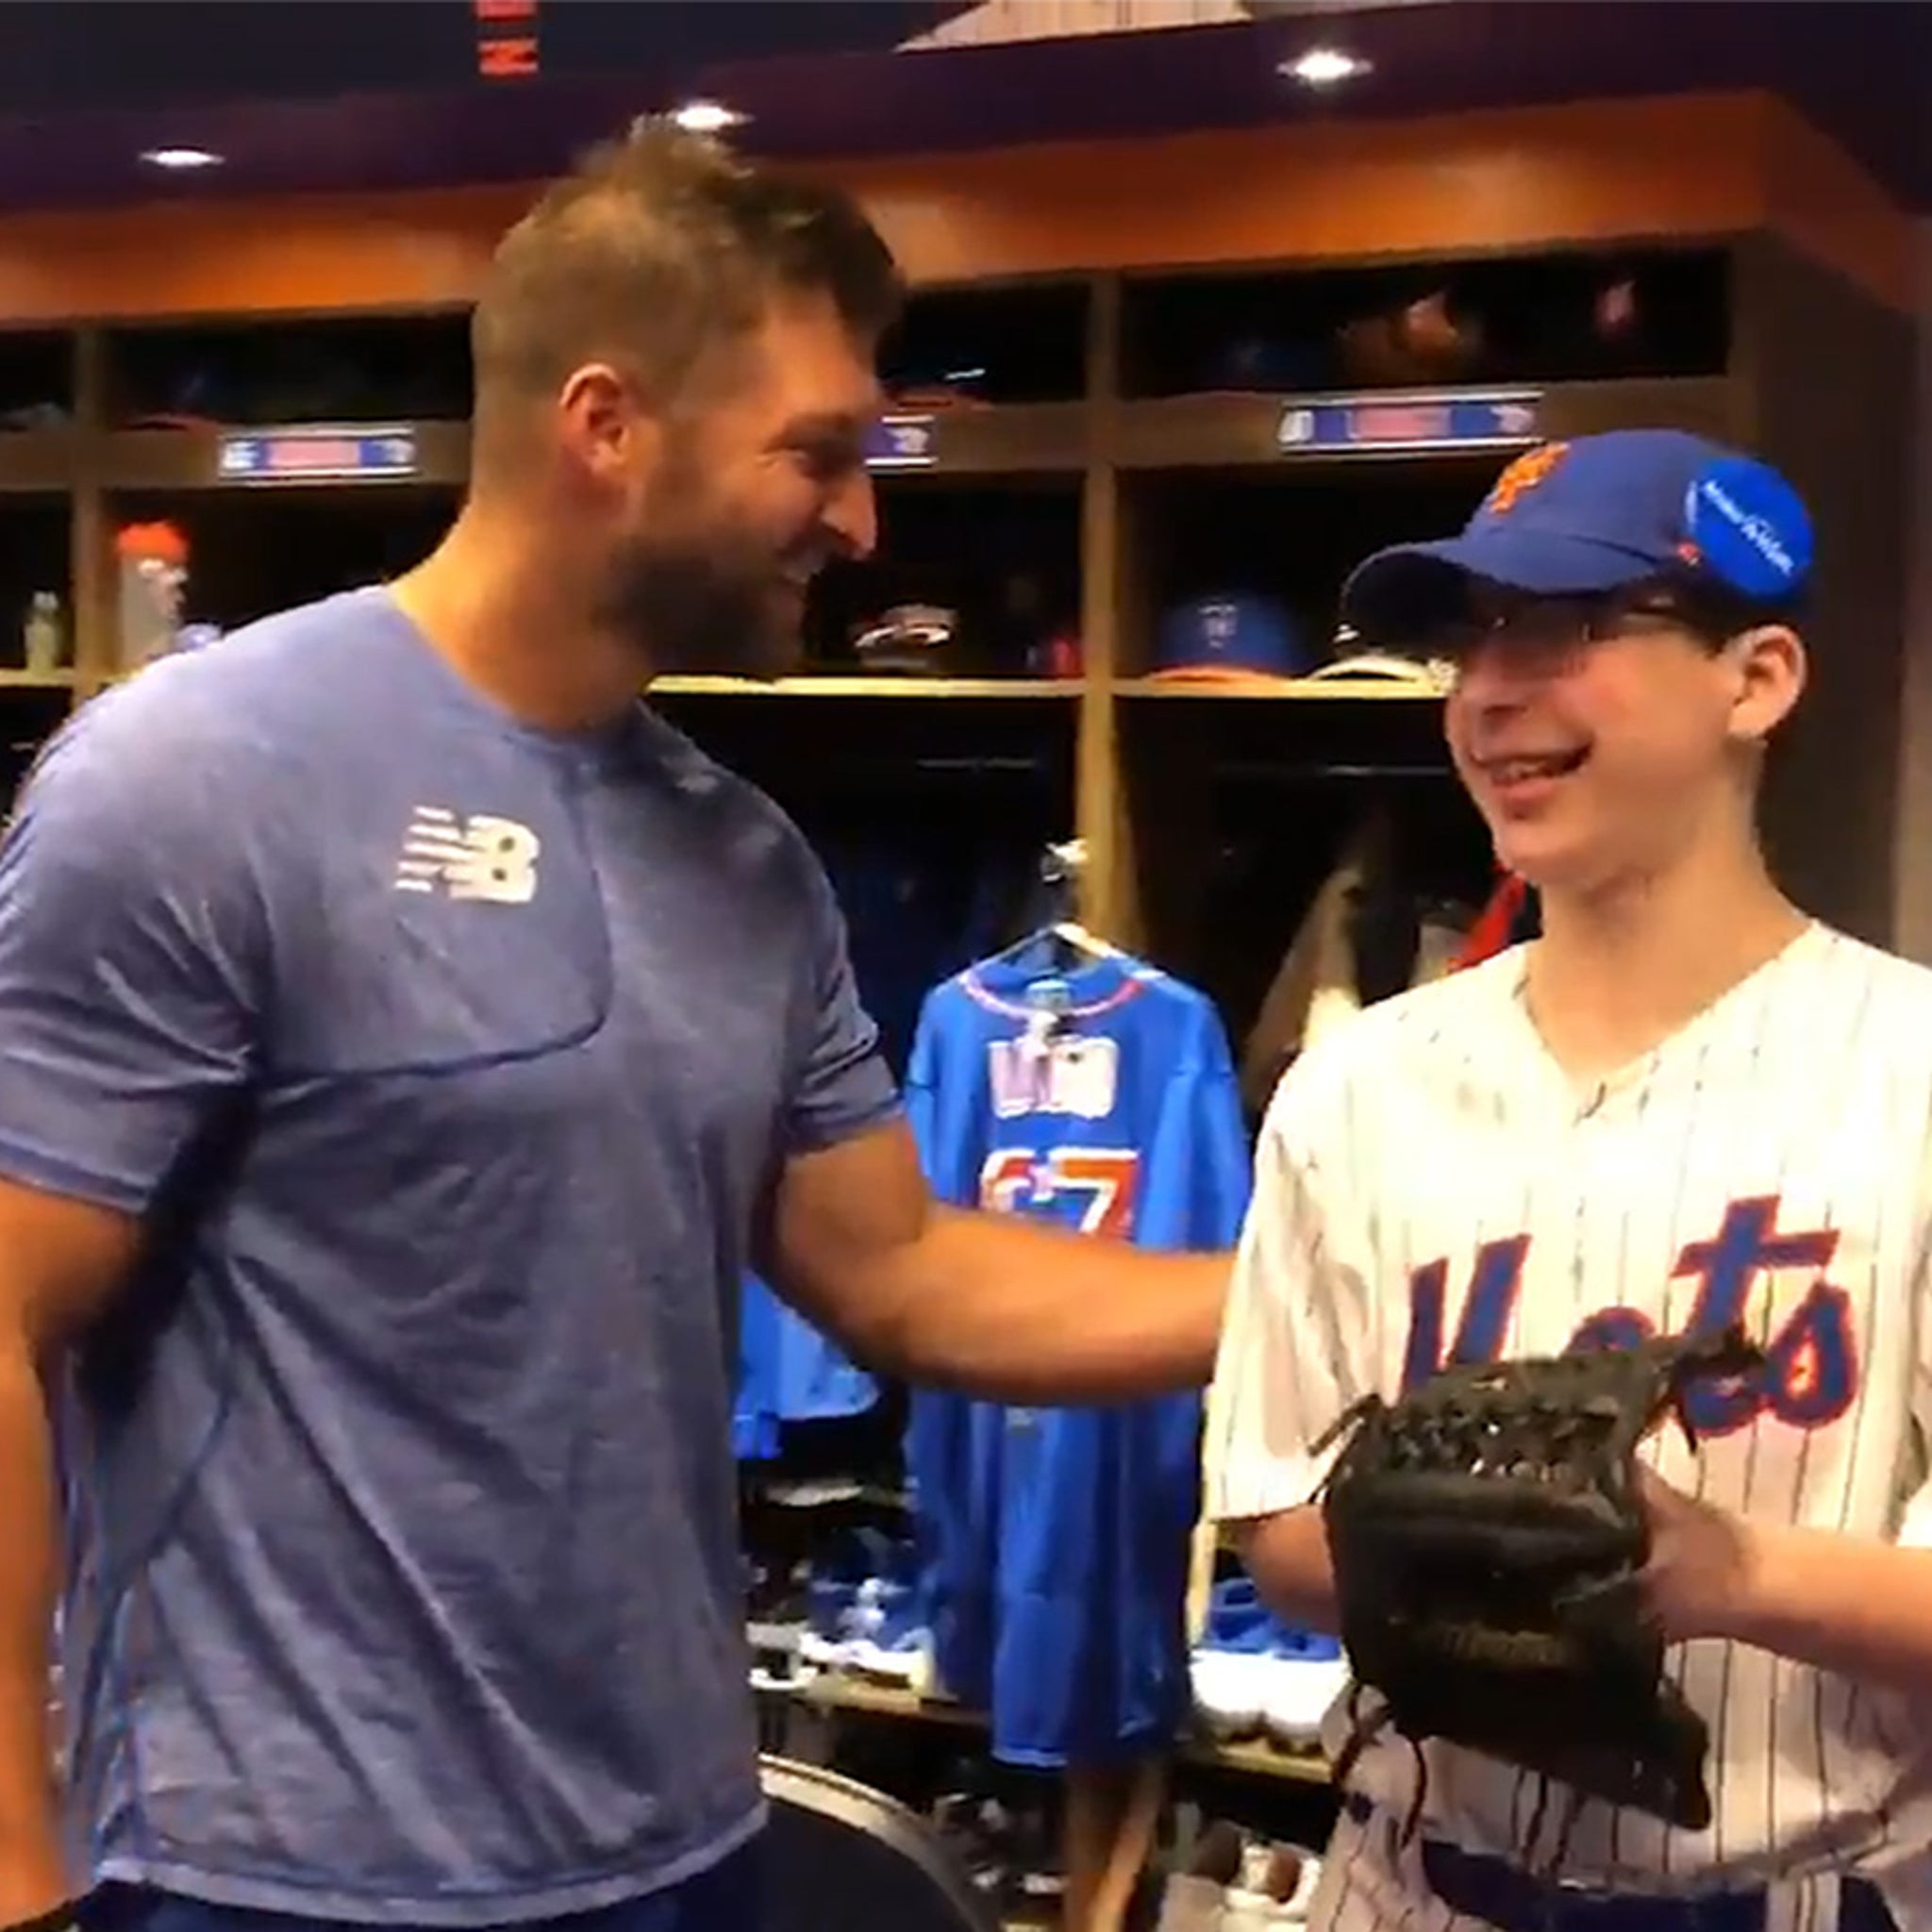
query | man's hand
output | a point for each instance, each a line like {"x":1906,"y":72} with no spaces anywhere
{"x":1700,"y":1571}
{"x":35,"y":1891}
{"x":59,"y":1262}
{"x":1006,"y":1308}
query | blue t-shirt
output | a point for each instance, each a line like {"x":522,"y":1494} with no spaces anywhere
{"x":451,"y":1062}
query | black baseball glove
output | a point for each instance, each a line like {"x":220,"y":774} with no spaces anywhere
{"x":1487,"y":1537}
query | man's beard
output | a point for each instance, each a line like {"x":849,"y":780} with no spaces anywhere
{"x":704,"y":604}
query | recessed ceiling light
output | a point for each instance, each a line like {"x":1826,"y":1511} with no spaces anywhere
{"x":1324,"y":67}
{"x":706,"y":117}
{"x":181,"y":158}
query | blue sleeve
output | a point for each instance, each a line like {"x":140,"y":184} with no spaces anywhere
{"x":941,"y":1109}
{"x":754,"y":1413}
{"x":842,"y":1084}
{"x":1199,"y":1167}
{"x":938,"y":1425}
{"x":921,"y":1084}
{"x":132,"y":958}
{"x":817,"y":1380}
{"x":1225,"y":1176}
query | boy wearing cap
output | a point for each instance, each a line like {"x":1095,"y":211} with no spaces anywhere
{"x":1685,"y":1104}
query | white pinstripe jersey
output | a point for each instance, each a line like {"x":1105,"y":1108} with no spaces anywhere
{"x":1428,"y":1183}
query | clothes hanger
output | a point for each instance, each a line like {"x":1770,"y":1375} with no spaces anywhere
{"x":1069,"y":944}
{"x":1062,"y":867}
{"x":1089,"y":945}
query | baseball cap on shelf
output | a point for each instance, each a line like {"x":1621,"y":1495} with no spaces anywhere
{"x":1230,"y":634}
{"x":1594,"y":515}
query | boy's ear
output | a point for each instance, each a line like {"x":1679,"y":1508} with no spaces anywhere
{"x":1770,"y":667}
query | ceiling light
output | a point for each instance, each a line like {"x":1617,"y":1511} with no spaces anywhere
{"x":706,"y":117}
{"x":181,"y":158}
{"x":1324,"y":67}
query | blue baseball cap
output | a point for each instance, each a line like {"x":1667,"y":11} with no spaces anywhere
{"x":1594,"y":515}
{"x":1230,"y":634}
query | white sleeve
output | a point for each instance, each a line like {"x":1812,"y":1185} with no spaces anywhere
{"x":1293,"y":1351}
{"x":1915,"y":1513}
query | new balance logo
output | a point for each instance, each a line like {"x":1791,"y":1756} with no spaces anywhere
{"x":481,"y":856}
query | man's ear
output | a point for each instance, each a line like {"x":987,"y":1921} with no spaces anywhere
{"x":603,"y":426}
{"x":1771,"y":675}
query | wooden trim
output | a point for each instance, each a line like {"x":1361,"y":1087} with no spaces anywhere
{"x":38,"y":462}
{"x":1328,"y":193}
{"x":1843,"y":438}
{"x":1819,"y":199}
{"x":186,"y":460}
{"x":1007,"y":440}
{"x":1048,"y":442}
{"x":1912,"y":818}
{"x":93,"y":569}
{"x":1261,"y":689}
{"x":1232,"y":431}
{"x":835,"y":1692}
{"x":889,"y":690}
{"x":1106,"y":898}
{"x":1690,"y":167}
{"x":1682,"y":168}
{"x":291,"y":255}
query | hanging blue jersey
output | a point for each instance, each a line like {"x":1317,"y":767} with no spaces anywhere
{"x":754,"y":1405}
{"x":789,"y":1372}
{"x":1057,"y":1539}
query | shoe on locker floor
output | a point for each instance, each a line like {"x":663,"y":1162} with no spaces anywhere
{"x":1039,"y":1874}
{"x":1275,"y":1890}
{"x":889,"y":1635}
{"x":1307,"y":1672}
{"x":1228,"y":1667}
{"x":859,"y":1598}
{"x":1240,"y":1883}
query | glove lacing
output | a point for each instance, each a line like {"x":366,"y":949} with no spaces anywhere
{"x":1362,"y":1731}
{"x":1521,"y":1435}
{"x":1527,"y":1436}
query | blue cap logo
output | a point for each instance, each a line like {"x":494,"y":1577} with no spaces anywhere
{"x":1747,"y":525}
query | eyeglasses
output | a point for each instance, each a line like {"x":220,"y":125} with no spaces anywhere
{"x":1548,"y":632}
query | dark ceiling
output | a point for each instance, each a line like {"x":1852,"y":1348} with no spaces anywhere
{"x":318,"y":94}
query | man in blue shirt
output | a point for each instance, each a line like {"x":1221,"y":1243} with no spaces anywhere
{"x":409,"y":1041}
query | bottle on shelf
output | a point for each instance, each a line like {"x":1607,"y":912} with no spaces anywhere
{"x":154,"y":574}
{"x":44,"y":635}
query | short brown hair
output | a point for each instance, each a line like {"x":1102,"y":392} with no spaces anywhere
{"x":658,"y":248}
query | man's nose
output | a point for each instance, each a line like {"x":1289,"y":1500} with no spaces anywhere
{"x":853,"y":514}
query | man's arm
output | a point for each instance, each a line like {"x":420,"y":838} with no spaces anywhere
{"x":1006,"y":1308}
{"x":60,"y":1260}
{"x":128,"y":953}
{"x":1009,"y":1310}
